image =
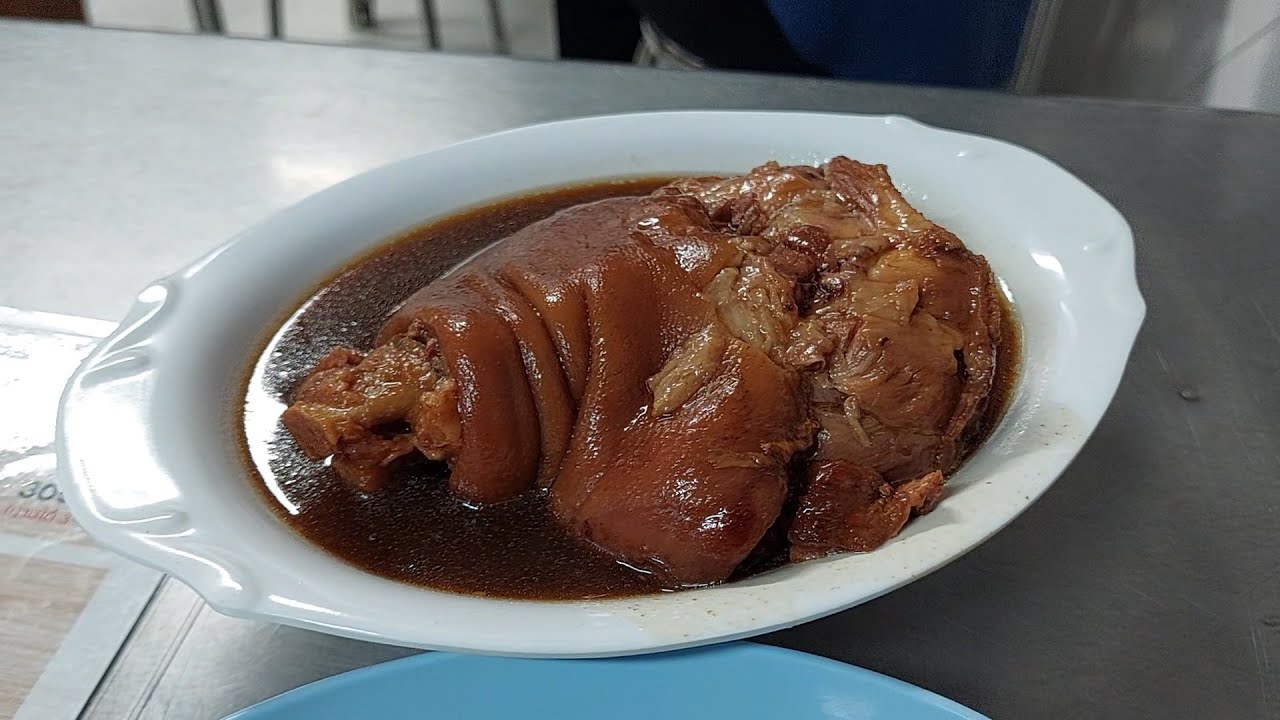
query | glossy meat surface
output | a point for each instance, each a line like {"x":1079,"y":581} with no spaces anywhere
{"x":898,"y":342}
{"x":664,"y":365}
{"x":628,"y":379}
{"x":902,"y":322}
{"x":851,"y":508}
{"x":687,"y":489}
{"x":346,"y":409}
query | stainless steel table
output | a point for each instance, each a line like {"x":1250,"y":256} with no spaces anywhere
{"x":1145,"y":584}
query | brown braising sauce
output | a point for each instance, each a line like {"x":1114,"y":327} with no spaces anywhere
{"x":414,"y":530}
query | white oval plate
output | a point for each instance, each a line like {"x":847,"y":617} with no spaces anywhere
{"x":147,"y":455}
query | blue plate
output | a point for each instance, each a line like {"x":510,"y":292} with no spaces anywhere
{"x":738,"y":681}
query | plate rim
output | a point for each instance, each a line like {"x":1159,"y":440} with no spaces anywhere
{"x":422,"y":663}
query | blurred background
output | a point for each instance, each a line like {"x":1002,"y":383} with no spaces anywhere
{"x":1219,"y":53}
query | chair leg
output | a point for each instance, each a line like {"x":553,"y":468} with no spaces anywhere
{"x":643,"y":55}
{"x":500,"y":44}
{"x":208,"y":15}
{"x":430,"y":25}
{"x":362,"y":15}
{"x":275,"y":18}
{"x":1033,"y":51}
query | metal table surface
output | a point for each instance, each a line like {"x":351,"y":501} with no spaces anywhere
{"x":1146,"y":583}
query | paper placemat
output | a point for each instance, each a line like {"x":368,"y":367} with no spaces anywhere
{"x":66,"y":606}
